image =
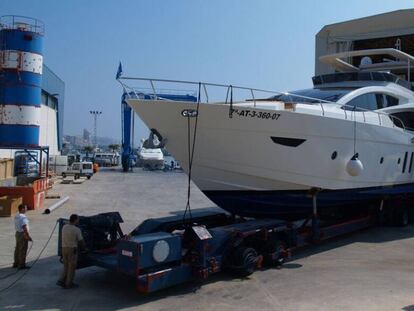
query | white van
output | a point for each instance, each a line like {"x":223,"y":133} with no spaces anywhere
{"x":79,"y":169}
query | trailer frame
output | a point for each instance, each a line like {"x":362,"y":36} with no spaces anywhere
{"x":167,"y":251}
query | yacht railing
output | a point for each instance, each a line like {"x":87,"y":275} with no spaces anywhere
{"x":349,"y":113}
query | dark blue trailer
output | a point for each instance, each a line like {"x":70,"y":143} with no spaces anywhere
{"x":163,"y":252}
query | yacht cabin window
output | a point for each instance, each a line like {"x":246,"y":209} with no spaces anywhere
{"x":314,"y":95}
{"x":404,"y":119}
{"x":371,"y":101}
{"x":391,"y":101}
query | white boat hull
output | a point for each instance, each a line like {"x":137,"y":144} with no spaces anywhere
{"x":238,"y":155}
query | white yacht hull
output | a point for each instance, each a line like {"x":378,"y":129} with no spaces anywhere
{"x":245,"y":156}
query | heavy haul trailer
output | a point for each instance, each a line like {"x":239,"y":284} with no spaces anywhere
{"x":167,"y":251}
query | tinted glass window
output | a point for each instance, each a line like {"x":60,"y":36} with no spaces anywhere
{"x":391,"y":101}
{"x":44,"y":98}
{"x":328,"y":94}
{"x":363,"y":102}
{"x":404,"y":119}
{"x":87,"y":166}
{"x":380,"y":101}
{"x":52,"y":102}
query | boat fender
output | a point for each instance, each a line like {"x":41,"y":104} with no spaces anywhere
{"x":354,"y":167}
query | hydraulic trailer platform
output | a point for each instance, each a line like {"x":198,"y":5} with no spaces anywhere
{"x":167,"y":251}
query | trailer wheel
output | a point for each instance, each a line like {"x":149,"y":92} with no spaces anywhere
{"x":411,"y":215}
{"x":401,"y":217}
{"x":272,"y":250}
{"x":244,"y":261}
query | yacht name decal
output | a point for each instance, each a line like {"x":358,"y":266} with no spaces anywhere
{"x":256,"y":114}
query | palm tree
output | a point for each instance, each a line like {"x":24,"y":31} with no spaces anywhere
{"x":88,"y":149}
{"x":114,"y":147}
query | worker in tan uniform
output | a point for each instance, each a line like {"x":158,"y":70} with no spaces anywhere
{"x":72,"y":240}
{"x":21,"y":224}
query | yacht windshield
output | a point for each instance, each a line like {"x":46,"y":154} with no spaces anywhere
{"x":325,"y":94}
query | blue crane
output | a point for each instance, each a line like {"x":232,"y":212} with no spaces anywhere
{"x":127,"y":157}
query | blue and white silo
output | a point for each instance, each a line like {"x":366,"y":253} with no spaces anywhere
{"x":21,"y":63}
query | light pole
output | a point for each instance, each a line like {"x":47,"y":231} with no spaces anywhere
{"x":95,"y":114}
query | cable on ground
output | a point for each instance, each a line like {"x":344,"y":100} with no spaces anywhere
{"x":35,"y":261}
{"x":15,"y":272}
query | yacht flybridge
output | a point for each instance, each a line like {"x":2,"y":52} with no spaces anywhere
{"x":349,"y":140}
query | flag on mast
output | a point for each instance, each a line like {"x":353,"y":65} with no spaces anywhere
{"x":119,"y":72}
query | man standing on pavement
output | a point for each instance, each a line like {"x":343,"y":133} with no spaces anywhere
{"x":71,"y":241}
{"x":21,"y":224}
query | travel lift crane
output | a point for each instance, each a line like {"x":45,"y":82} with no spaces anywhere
{"x":128,"y":118}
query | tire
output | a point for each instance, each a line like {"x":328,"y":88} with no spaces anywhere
{"x":401,"y":217}
{"x":63,"y":175}
{"x":244,"y":260}
{"x":271,"y":251}
{"x":88,"y":177}
{"x":411,"y":214}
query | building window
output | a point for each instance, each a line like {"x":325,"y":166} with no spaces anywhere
{"x":48,"y":100}
{"x":44,"y":98}
{"x":52,"y":102}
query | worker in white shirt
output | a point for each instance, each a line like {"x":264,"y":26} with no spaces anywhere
{"x":21,"y":224}
{"x":72,"y":239}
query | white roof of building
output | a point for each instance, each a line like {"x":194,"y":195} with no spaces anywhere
{"x":381,"y":25}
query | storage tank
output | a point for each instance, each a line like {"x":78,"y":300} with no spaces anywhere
{"x":21,"y":62}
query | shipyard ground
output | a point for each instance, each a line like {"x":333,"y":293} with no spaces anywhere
{"x":369,"y":270}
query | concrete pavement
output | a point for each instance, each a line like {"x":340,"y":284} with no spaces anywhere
{"x":369,"y":270}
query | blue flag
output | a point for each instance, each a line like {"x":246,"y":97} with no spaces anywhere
{"x":119,"y":72}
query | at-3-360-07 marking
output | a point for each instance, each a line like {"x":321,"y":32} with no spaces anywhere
{"x":256,"y":114}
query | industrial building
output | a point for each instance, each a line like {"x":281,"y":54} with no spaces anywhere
{"x":389,"y":30}
{"x":29,"y":117}
{"x":51,"y":122}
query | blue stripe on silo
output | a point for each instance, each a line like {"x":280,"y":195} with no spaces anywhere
{"x":20,"y":95}
{"x":10,"y":77}
{"x":21,"y":88}
{"x":19,"y":135}
{"x":21,"y":40}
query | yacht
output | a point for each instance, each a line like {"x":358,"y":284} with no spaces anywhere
{"x":347,"y":142}
{"x":151,"y":159}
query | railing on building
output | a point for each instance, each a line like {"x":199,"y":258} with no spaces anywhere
{"x":22,"y":23}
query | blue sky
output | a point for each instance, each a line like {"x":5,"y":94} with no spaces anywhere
{"x":263,"y":43}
